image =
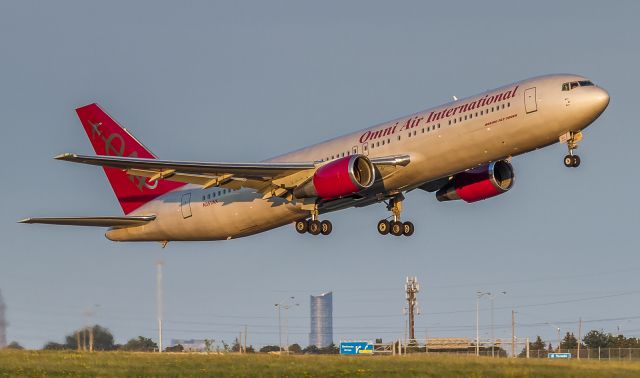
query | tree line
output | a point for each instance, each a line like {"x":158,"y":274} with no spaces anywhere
{"x":99,"y":338}
{"x":594,"y":339}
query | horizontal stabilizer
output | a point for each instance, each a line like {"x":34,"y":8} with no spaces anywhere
{"x":94,"y":221}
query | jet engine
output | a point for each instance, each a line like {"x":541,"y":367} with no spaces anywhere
{"x":339,"y":178}
{"x":479,"y":183}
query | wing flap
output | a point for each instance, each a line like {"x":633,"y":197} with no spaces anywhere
{"x":93,"y":221}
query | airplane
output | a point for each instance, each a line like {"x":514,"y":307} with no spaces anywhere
{"x":461,"y":150}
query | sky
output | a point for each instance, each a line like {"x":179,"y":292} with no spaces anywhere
{"x":243,"y":81}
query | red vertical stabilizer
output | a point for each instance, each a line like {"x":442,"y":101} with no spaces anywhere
{"x":108,"y":138}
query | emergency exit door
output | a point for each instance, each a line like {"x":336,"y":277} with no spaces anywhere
{"x":185,"y":205}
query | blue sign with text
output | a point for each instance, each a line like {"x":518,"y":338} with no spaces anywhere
{"x":559,"y":355}
{"x":356,"y":347}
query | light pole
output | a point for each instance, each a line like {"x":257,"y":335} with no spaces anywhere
{"x":286,"y":323}
{"x":479,"y":294}
{"x":558,"y":330}
{"x":492,"y":297}
{"x":283,"y":304}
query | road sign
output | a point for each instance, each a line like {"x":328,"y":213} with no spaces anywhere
{"x":559,"y":355}
{"x":356,"y":347}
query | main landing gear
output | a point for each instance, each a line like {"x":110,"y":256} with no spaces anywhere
{"x":395,"y":227}
{"x":314,"y":226}
{"x":571,"y":138}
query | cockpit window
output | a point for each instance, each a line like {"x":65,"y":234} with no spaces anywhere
{"x":574,"y":84}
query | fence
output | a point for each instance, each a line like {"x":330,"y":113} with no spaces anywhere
{"x":498,"y":349}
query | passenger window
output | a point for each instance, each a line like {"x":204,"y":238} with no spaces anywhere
{"x":465,"y":118}
{"x":508,"y":104}
{"x":398,"y":137}
{"x":204,"y":198}
{"x":449,"y":121}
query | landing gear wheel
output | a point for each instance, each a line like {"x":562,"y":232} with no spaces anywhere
{"x":407,"y":229}
{"x":315,"y":227}
{"x":568,"y":161}
{"x":302,"y":226}
{"x":396,"y":228}
{"x":576,"y":161}
{"x":383,"y":227}
{"x":326,"y":227}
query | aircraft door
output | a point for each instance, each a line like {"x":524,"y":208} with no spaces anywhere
{"x":185,"y":205}
{"x":530,"y":103}
{"x":365,"y":148}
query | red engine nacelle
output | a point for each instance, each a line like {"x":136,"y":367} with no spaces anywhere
{"x":339,"y":178}
{"x":479,"y":183}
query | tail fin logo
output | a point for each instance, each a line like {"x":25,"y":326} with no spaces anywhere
{"x":111,"y":150}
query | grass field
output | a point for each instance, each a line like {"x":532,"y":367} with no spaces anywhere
{"x":120,"y":364}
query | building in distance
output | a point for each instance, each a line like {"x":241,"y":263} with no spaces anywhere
{"x":321,"y":334}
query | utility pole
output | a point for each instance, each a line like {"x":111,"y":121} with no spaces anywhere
{"x":245,"y":338}
{"x":159,"y":264}
{"x":513,"y":333}
{"x":279,"y":330}
{"x":579,"y":335}
{"x":412,"y":287}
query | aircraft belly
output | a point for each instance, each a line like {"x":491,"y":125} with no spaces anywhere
{"x":237,"y":214}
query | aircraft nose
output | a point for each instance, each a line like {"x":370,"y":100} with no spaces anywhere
{"x":600,"y":98}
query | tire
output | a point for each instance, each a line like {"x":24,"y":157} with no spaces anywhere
{"x":326,"y":227}
{"x":576,"y":161}
{"x":302,"y":226}
{"x":384,"y":227}
{"x":407,"y":229}
{"x":396,"y":228}
{"x":314,"y":227}
{"x":568,"y":161}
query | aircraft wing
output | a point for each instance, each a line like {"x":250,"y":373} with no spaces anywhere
{"x":270,"y":178}
{"x":94,"y":221}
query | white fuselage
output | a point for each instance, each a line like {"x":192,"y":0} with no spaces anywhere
{"x":440,"y":141}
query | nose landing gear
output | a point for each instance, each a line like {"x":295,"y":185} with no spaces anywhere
{"x":571,"y":139}
{"x":395,"y":227}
